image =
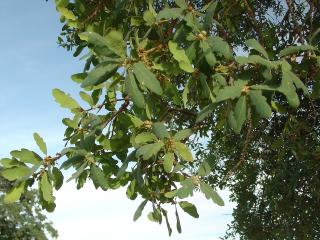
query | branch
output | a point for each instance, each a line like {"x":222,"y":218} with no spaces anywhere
{"x":254,"y":22}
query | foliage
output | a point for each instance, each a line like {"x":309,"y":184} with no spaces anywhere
{"x":24,"y":219}
{"x":163,"y":76}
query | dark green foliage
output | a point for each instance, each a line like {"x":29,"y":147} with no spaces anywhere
{"x":23,"y":219}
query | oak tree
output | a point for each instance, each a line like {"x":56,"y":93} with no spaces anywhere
{"x":184,"y":96}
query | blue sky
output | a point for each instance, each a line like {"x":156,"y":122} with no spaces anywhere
{"x":31,"y":65}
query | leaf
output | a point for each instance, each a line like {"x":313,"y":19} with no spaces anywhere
{"x":288,"y":89}
{"x":183,"y":134}
{"x":98,"y":177}
{"x":115,"y":42}
{"x":297,"y":82}
{"x":204,"y":169}
{"x":189,"y":208}
{"x":146,"y":78}
{"x":101,"y":73}
{"x":15,"y":173}
{"x":260,"y":103}
{"x":230,"y":92}
{"x":41,"y":144}
{"x":149,"y":18}
{"x":160,"y":130}
{"x":14,"y":194}
{"x":149,"y":150}
{"x":206,"y":89}
{"x":100,"y":44}
{"x":57,"y":178}
{"x":139,"y":210}
{"x":64,"y":99}
{"x":204,"y":113}
{"x":180,"y":55}
{"x":78,"y":172}
{"x":87,"y":98}
{"x":145,"y":137}
{"x":124,"y":166}
{"x":68,"y":14}
{"x":168,"y":13}
{"x":257,"y":46}
{"x":210,"y":193}
{"x":168,"y":160}
{"x":164,"y":212}
{"x":208,"y":53}
{"x":133,"y":91}
{"x":46,"y":188}
{"x":240,"y":113}
{"x":26,"y":156}
{"x":9,"y":163}
{"x":178,"y":222}
{"x":296,"y":49}
{"x":184,"y":151}
{"x":218,"y":45}
{"x":181,"y":3}
{"x":208,"y":19}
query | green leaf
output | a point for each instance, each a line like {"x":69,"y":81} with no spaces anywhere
{"x":297,"y":82}
{"x":115,"y":42}
{"x":180,"y":55}
{"x":208,"y":19}
{"x":46,"y":188}
{"x":181,"y":3}
{"x":149,"y":150}
{"x":184,"y":152}
{"x":57,"y":178}
{"x":296,"y":49}
{"x":204,"y":169}
{"x":9,"y":163}
{"x":210,"y":193}
{"x":164,"y":213}
{"x":168,"y":13}
{"x":260,"y":103}
{"x":183,"y":134}
{"x":64,"y":99}
{"x":288,"y":89}
{"x":133,"y":91}
{"x":189,"y":208}
{"x":178,"y":222}
{"x":208,"y":53}
{"x":87,"y":98}
{"x":240,"y":113}
{"x":98,"y":177}
{"x":149,"y":17}
{"x":160,"y":130}
{"x":15,"y":173}
{"x":257,"y":46}
{"x":168,"y":160}
{"x":145,"y":137}
{"x":101,"y":73}
{"x":14,"y":194}
{"x":41,"y":144}
{"x":26,"y":156}
{"x":146,"y":78}
{"x":68,"y":14}
{"x":219,"y":46}
{"x":230,"y":92}
{"x":204,"y":113}
{"x":139,"y":210}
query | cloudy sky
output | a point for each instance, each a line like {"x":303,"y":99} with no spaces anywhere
{"x":31,"y":64}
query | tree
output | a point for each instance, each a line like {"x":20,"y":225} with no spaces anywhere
{"x":164,"y":78}
{"x":24,"y":219}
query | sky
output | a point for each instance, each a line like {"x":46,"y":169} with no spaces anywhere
{"x":31,"y":65}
